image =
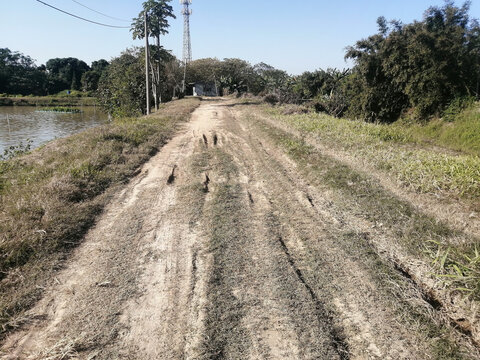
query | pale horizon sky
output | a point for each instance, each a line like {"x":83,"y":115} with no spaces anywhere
{"x":292,"y":36}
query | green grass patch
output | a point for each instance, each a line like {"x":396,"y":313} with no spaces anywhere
{"x":51,"y":197}
{"x":462,"y":133}
{"x":61,"y":109}
{"x":51,"y":101}
{"x":405,"y":151}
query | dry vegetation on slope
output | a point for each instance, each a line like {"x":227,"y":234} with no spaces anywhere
{"x":51,"y":197}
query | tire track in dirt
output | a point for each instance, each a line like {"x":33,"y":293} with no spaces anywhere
{"x":250,"y":313}
{"x":458,"y":315}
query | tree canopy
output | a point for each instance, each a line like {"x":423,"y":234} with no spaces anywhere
{"x":19,"y":74}
{"x":65,"y":73}
{"x":424,"y":65}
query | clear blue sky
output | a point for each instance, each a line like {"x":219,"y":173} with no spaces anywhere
{"x":291,"y":35}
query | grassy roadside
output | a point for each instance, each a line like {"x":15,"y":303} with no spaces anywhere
{"x":460,"y":132}
{"x":455,"y":256}
{"x":51,"y":197}
{"x":438,"y":157}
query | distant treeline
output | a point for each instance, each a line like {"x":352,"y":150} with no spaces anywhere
{"x":423,"y":69}
{"x":20,"y":76}
{"x":425,"y":66}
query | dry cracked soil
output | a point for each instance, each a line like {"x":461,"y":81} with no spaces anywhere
{"x":222,"y":248}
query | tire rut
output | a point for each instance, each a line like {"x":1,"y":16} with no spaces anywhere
{"x":337,"y":335}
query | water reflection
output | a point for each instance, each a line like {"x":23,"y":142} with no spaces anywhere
{"x":22,"y":123}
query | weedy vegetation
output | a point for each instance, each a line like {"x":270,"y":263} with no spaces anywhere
{"x":49,"y":101}
{"x":16,"y":150}
{"x":438,"y":157}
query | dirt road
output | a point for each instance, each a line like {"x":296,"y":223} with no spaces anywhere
{"x":222,"y":249}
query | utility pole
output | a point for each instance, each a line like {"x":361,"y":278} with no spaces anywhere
{"x":187,"y":44}
{"x":147,"y":59}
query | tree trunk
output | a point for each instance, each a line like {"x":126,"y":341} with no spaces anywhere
{"x":155,"y":85}
{"x":147,"y":58}
{"x":159,"y":91}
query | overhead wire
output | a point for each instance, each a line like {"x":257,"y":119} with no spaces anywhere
{"x":98,"y":12}
{"x":81,"y":18}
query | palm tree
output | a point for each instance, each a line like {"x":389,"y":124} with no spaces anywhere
{"x":157,"y":14}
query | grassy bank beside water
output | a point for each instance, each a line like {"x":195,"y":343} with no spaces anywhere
{"x":54,"y":100}
{"x":51,"y":197}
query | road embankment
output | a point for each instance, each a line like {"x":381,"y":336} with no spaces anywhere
{"x":52,"y":196}
{"x":239,"y":240}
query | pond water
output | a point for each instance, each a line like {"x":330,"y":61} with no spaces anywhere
{"x":21,"y":124}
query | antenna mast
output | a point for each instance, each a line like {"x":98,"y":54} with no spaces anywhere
{"x":187,"y":44}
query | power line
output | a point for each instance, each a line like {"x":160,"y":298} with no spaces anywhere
{"x":81,"y":18}
{"x":98,"y":12}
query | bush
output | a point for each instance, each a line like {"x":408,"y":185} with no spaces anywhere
{"x":271,"y":99}
{"x":121,"y":89}
{"x":424,"y":65}
{"x":292,"y":109}
{"x":334,"y":105}
{"x":457,"y":106}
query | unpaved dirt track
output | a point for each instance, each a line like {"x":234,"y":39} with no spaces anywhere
{"x":220,"y":250}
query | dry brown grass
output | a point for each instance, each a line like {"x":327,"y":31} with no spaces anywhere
{"x":51,"y":197}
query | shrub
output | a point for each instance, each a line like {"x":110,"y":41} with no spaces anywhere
{"x":271,"y":99}
{"x":334,"y":105}
{"x":457,"y":106}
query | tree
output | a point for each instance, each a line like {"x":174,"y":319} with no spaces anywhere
{"x":157,"y":14}
{"x":91,"y":78}
{"x":376,"y":96}
{"x":424,"y":65}
{"x":20,"y":75}
{"x":267,"y":79}
{"x":65,"y":73}
{"x":309,"y":84}
{"x":204,"y":70}
{"x":173,"y":76}
{"x":122,"y":87}
{"x":236,"y":75}
{"x":439,"y":48}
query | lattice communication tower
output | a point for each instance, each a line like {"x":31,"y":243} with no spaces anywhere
{"x":187,"y":44}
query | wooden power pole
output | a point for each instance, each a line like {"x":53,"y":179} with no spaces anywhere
{"x":147,"y":59}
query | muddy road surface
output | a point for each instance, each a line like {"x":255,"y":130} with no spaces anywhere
{"x":221,"y":249}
